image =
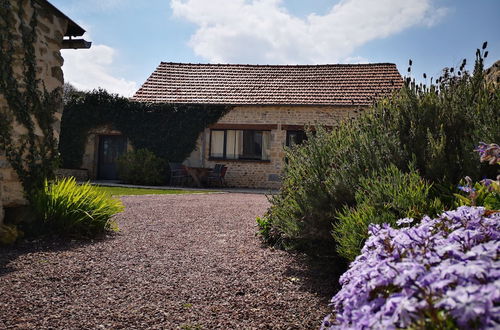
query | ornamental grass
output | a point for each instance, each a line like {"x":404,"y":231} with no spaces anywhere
{"x":69,"y":209}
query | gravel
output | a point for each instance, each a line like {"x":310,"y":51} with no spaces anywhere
{"x":179,"y":262}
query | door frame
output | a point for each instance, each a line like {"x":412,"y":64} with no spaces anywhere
{"x":98,"y":150}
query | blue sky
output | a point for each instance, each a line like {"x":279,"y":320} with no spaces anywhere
{"x":130,"y":38}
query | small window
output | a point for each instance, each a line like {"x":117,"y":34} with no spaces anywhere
{"x":295,"y":137}
{"x":240,"y":144}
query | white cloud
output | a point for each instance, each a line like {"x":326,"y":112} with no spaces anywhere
{"x":88,"y":69}
{"x":263,"y":31}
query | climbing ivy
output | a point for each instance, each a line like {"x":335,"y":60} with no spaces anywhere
{"x":31,"y":151}
{"x":169,"y":131}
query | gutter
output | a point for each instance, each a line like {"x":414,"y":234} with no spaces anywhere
{"x":73,"y":29}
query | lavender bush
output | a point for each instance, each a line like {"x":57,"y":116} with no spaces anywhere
{"x":437,"y":126}
{"x":443,"y":273}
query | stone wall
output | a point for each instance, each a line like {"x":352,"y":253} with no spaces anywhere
{"x":241,"y":173}
{"x":80,"y":175}
{"x":50,"y":31}
{"x":266,"y":174}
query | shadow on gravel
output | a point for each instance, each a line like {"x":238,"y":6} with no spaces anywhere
{"x":11,"y":253}
{"x":318,"y":275}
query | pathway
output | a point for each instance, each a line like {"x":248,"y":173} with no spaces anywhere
{"x":180,"y":261}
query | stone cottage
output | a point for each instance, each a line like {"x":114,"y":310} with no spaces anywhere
{"x":54,"y":31}
{"x":271,"y":105}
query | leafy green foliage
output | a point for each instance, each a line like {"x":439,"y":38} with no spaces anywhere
{"x":382,"y":197}
{"x":69,"y":209}
{"x":440,"y":125}
{"x":485,"y":193}
{"x":322,"y":174}
{"x":436,"y":127}
{"x":142,"y":167}
{"x":32,"y":156}
{"x":267,"y":231}
{"x":169,"y":131}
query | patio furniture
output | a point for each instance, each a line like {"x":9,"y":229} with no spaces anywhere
{"x":217,"y":175}
{"x":178,"y":174}
{"x":198,"y":174}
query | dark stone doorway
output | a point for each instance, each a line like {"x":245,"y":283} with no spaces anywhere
{"x":110,"y":148}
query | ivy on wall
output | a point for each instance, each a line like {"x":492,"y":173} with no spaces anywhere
{"x":170,"y":131}
{"x":29,"y":106}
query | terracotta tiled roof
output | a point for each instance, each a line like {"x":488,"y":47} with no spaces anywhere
{"x":237,"y":84}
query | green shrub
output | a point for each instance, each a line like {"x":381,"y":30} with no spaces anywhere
{"x":142,"y":167}
{"x":69,"y":209}
{"x":267,"y":231}
{"x":322,"y":175}
{"x":383,"y":197}
{"x":435,"y":126}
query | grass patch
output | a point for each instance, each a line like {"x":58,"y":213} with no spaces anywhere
{"x":121,"y":191}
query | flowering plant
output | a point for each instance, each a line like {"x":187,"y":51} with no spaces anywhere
{"x":489,"y":152}
{"x":442,"y":273}
{"x":486,"y":192}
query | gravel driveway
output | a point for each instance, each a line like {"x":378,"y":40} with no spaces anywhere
{"x":179,"y":261}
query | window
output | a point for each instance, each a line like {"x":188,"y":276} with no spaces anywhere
{"x":295,"y":137}
{"x":240,"y":144}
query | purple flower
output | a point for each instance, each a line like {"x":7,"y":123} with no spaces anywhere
{"x":466,"y":304}
{"x":481,"y":148}
{"x":467,"y":189}
{"x":489,"y":152}
{"x":404,"y":221}
{"x":487,"y":182}
{"x":449,"y":264}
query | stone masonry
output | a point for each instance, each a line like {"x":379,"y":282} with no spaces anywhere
{"x":265,"y":174}
{"x":273,"y":98}
{"x":50,"y":31}
{"x":242,"y":173}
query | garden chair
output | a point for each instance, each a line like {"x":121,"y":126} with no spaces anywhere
{"x":178,"y":174}
{"x":217,"y":175}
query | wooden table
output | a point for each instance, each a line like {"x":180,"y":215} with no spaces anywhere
{"x":198,"y":174}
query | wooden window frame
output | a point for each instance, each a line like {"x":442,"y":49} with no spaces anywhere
{"x":224,"y":152}
{"x":289,"y":132}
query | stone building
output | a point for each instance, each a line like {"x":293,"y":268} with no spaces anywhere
{"x":54,"y":31}
{"x":270,"y":107}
